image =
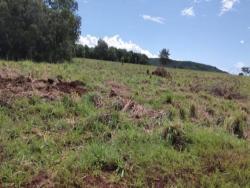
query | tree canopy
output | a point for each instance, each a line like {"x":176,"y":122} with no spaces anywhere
{"x":40,"y":30}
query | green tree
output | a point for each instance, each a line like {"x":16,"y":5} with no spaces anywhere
{"x":41,"y":30}
{"x":164,"y":56}
{"x":101,"y":50}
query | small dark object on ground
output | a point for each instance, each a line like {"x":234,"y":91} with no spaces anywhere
{"x":237,"y":128}
{"x":109,"y":167}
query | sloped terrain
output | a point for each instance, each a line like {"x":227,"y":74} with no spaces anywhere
{"x":100,"y":124}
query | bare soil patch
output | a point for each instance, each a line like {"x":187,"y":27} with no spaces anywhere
{"x":170,"y":179}
{"x":118,"y":89}
{"x":98,"y":181}
{"x":40,"y":180}
{"x":19,"y":85}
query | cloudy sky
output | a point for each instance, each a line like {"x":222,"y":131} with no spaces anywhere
{"x":215,"y":32}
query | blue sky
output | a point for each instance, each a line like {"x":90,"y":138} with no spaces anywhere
{"x":215,"y":32}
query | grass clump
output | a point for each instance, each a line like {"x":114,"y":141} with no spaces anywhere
{"x":238,"y":126}
{"x":176,"y":136}
{"x":182,"y":114}
{"x":193,"y":112}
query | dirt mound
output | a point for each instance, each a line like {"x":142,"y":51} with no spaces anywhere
{"x":162,"y":72}
{"x":19,"y":85}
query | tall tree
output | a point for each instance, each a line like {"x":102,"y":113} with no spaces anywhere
{"x":41,"y":30}
{"x":101,"y":50}
{"x":164,"y":56}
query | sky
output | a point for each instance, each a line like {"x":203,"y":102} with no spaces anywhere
{"x":214,"y":32}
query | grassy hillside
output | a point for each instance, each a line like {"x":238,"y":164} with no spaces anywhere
{"x":119,"y":126}
{"x":186,"y":65}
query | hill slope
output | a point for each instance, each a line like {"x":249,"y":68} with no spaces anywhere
{"x":186,"y":65}
{"x":103,"y":124}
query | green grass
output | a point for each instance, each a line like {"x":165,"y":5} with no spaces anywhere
{"x":72,"y":140}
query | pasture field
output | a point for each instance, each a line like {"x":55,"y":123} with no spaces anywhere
{"x":93,"y":123}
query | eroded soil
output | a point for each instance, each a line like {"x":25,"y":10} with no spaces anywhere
{"x":15,"y":85}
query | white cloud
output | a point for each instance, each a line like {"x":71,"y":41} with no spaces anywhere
{"x":158,"y":20}
{"x":199,"y":1}
{"x":236,"y":68}
{"x":227,"y":5}
{"x":239,"y":65}
{"x":242,"y":42}
{"x":90,"y":41}
{"x":188,"y":12}
{"x":115,"y":41}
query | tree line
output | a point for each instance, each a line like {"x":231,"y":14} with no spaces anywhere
{"x":48,"y":30}
{"x":103,"y":52}
{"x":39,"y":30}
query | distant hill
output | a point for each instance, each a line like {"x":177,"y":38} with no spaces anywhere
{"x":186,"y":65}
